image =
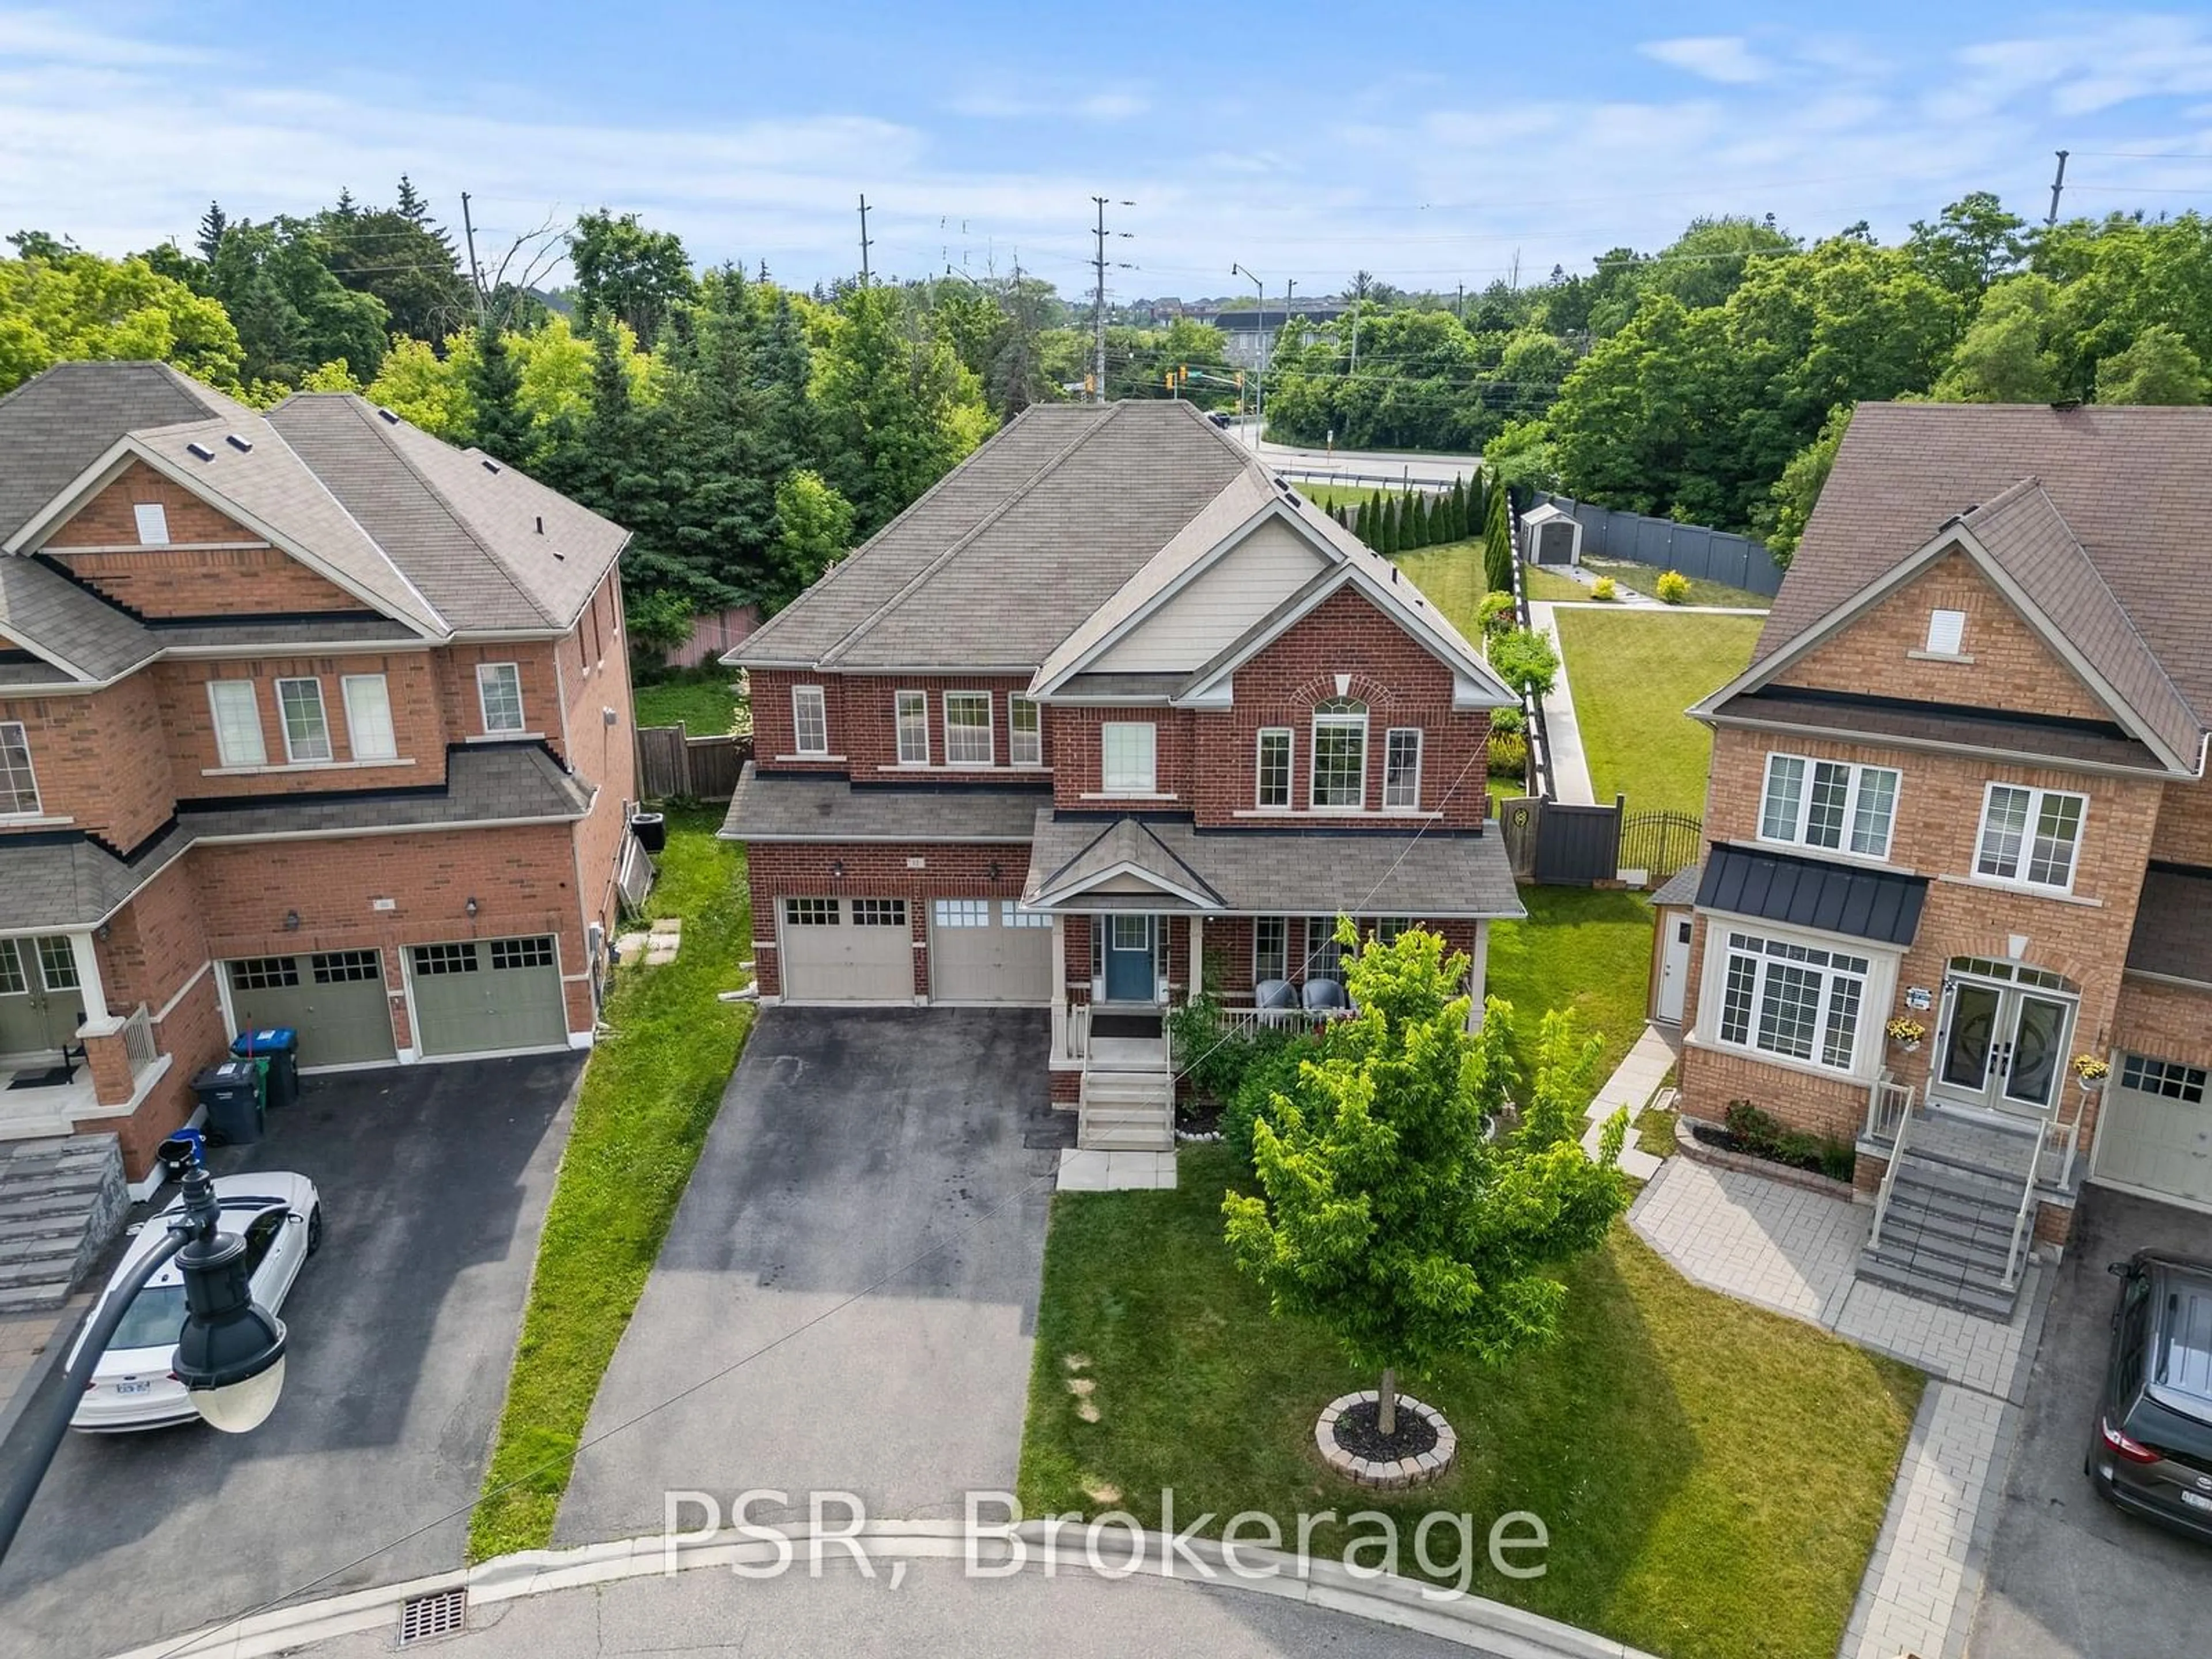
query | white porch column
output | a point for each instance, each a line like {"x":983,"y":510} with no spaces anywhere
{"x":1477,"y":973}
{"x":88,"y":979}
{"x":1197,"y":958}
{"x":1059,"y":988}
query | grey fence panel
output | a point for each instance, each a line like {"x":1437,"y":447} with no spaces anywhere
{"x":1695,"y":550}
{"x":1578,"y":846}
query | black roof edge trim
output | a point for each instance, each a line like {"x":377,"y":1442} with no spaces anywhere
{"x":83,"y":586}
{"x":1872,"y":704}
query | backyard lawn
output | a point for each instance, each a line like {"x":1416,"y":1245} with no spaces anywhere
{"x":701,"y":701}
{"x":1582,"y":948}
{"x":1644,"y":579}
{"x":1711,"y":1476}
{"x":1632,"y":674}
{"x":649,"y":1094}
{"x":1550,"y":585}
{"x":1449,"y":576}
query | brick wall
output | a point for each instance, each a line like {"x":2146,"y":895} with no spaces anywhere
{"x":1079,"y":758}
{"x":604,"y":756}
{"x":461,"y":709}
{"x":2185,"y":824}
{"x":98,"y":758}
{"x":2012,"y":667}
{"x":418,"y":724}
{"x":773,"y":741}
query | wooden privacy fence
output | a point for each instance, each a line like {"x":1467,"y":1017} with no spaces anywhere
{"x":672,"y":764}
{"x":1661,"y":843}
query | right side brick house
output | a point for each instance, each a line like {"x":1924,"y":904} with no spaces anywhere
{"x":1962,"y":785}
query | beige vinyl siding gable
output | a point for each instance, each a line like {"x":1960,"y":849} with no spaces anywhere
{"x":1216,"y":607}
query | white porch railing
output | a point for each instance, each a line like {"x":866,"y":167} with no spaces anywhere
{"x":138,"y":1040}
{"x":1889,"y":1177}
{"x":2024,"y":1217}
{"x":1888,"y":1104}
{"x":1078,"y":1026}
{"x":2066,"y":1142}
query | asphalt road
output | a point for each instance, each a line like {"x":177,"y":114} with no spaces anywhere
{"x":1364,"y":466}
{"x":707,"y":1614}
{"x":433,"y":1179}
{"x":867,"y":1171}
{"x":2070,"y":1576}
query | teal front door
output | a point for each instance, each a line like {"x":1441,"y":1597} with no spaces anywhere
{"x":1129,"y":976}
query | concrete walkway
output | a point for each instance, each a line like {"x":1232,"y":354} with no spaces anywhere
{"x":1638,"y":1077}
{"x":1792,"y":1250}
{"x":1571,"y":778}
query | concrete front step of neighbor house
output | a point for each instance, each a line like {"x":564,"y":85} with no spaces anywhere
{"x":61,"y":1201}
{"x":1947,"y":1235}
{"x":1126,"y":1111}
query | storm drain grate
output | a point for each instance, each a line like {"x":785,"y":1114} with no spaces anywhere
{"x":441,"y":1612}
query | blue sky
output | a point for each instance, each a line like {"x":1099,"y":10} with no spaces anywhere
{"x":1428,"y":143}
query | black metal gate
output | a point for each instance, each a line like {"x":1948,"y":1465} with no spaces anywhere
{"x":1661,"y":843}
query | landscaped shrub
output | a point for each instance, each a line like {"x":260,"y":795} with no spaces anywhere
{"x":1525,"y":660}
{"x":1508,"y":720}
{"x":1605,"y":588}
{"x":1272,"y":1055}
{"x":1762,"y":1136}
{"x":1495,"y":612}
{"x":1509,"y":754}
{"x":1672,"y":587}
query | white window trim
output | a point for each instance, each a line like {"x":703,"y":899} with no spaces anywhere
{"x":990,"y":736}
{"x":898,"y":726}
{"x":2021,"y":883}
{"x":798,"y":738}
{"x":1290,"y":736}
{"x":1420,"y":746}
{"x":224,"y":760}
{"x":284,"y":724}
{"x":37,"y":810}
{"x":1282,"y":922}
{"x":1014,"y":733}
{"x":1107,"y":788}
{"x":1875,"y":1000}
{"x":1843,"y":849}
{"x":483,"y":705}
{"x":1313,"y":767}
{"x":346,"y":683}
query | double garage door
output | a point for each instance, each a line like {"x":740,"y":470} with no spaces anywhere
{"x":861,"y":950}
{"x":2156,"y":1136}
{"x":472,"y":996}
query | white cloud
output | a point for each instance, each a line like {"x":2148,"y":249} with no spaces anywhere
{"x":1121,"y":104}
{"x":1727,"y":58}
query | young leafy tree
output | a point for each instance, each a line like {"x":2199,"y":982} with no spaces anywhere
{"x":1383,"y":1214}
{"x":640,"y":274}
{"x":77,"y":306}
{"x":1497,"y":542}
{"x":2159,"y":368}
{"x":815,"y":531}
{"x":1797,"y":491}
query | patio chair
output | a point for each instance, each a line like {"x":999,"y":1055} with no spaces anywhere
{"x":1272,"y":999}
{"x":1325,"y":996}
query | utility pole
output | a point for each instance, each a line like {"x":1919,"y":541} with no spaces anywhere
{"x":475,"y":276}
{"x":1460,"y":306}
{"x":2057,"y":187}
{"x":1260,"y":386}
{"x":865,"y":242}
{"x":1098,"y":297}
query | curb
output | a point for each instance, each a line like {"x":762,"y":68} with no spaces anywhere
{"x":1501,"y":1631}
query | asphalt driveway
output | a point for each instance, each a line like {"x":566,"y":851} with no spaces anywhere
{"x":434,"y":1180}
{"x":2070,"y":1576}
{"x":846,"y":1297}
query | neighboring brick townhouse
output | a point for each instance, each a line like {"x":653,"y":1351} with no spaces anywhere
{"x":1109,"y":715}
{"x":307,"y":718}
{"x":1963,"y":785}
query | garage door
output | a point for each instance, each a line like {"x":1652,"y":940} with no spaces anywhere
{"x":847,"y":949}
{"x":334,"y":1000}
{"x":2157,"y":1133}
{"x":482,"y":996}
{"x":987,"y":951}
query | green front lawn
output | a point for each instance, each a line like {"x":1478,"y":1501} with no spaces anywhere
{"x":1632,"y":674}
{"x":1644,"y":579}
{"x":1712,"y":1476}
{"x":649,"y":1094}
{"x":1582,"y":948}
{"x":1328,"y":496}
{"x":702,"y":701}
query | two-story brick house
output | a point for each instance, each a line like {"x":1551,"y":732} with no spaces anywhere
{"x":1962,"y":785}
{"x":306,"y":719}
{"x":1108,"y":716}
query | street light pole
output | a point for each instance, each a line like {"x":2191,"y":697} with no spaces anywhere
{"x":1260,"y":390}
{"x":230,"y":1354}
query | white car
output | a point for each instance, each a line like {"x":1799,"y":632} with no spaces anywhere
{"x":279,"y":1215}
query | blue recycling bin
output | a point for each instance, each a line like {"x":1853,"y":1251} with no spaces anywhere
{"x":277,"y":1049}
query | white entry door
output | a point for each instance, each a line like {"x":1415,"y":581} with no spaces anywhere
{"x":1675,"y":969}
{"x":2002,"y":1049}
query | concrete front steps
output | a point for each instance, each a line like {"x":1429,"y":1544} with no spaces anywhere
{"x":1947,"y":1234}
{"x":1128,"y":1099}
{"x":61,"y":1201}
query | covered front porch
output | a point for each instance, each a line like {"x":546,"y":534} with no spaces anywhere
{"x":66,"y":1056}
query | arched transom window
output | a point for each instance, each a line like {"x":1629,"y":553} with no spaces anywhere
{"x":1339,"y":753}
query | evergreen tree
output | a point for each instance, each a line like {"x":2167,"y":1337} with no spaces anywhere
{"x":1497,"y":543}
{"x":213,"y":224}
{"x":411,"y":206}
{"x":1461,"y":528}
{"x":1370,"y":521}
{"x":500,"y":426}
{"x":1425,"y":529}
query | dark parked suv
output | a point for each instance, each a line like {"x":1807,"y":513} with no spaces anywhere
{"x":2152,"y":1451}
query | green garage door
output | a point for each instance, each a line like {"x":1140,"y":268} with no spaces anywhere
{"x":481,"y":996}
{"x":334,"y":1000}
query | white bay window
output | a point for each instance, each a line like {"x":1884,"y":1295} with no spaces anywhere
{"x":1793,"y":1000}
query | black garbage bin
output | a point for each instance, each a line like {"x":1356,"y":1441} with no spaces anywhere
{"x":232,"y":1094}
{"x":277,"y":1047}
{"x":651,"y":829}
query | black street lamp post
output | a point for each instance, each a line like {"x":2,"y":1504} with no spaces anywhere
{"x":230,"y":1354}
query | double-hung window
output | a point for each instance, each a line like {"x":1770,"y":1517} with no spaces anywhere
{"x":1127,"y":757}
{"x":1324,"y":951}
{"x":499,"y":691}
{"x":1831,"y":803}
{"x":2030,"y":836}
{"x":1798,"y":1001}
{"x":1339,"y":753}
{"x":368,"y":718}
{"x":237,"y":715}
{"x":968,"y":728}
{"x":307,"y":727}
{"x":19,"y":789}
{"x":1401,"y":768}
{"x":913,"y":728}
{"x":1271,"y":791}
{"x":1271,"y":948}
{"x":810,"y":721}
{"x":1024,"y":732}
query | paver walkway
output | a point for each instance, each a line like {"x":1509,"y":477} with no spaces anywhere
{"x":1571,"y":777}
{"x":1793,"y":1250}
{"x":1631,"y":1086}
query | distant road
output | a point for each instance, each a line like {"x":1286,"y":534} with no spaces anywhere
{"x":1355,"y":467}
